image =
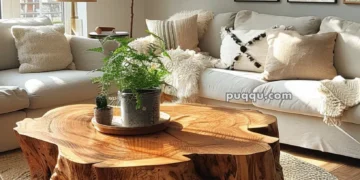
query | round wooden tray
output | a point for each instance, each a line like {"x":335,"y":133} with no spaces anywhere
{"x":117,"y":129}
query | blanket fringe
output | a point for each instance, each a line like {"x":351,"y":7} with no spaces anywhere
{"x":332,"y":121}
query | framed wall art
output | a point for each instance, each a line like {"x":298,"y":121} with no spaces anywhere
{"x":257,"y":0}
{"x":352,"y":2}
{"x":313,"y":1}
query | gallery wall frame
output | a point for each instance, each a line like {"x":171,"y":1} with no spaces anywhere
{"x":351,"y":2}
{"x":257,"y":0}
{"x":314,"y":1}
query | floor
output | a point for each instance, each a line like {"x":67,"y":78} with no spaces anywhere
{"x":343,"y":168}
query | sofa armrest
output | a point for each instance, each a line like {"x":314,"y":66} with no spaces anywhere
{"x":85,"y":60}
{"x":12,"y":99}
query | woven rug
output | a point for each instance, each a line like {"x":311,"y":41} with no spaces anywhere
{"x":13,"y":167}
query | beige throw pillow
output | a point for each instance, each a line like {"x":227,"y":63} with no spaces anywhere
{"x":203,"y":20}
{"x":293,"y":56}
{"x":182,"y":32}
{"x":42,"y":48}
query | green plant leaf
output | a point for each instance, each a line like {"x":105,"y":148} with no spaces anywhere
{"x":98,"y":49}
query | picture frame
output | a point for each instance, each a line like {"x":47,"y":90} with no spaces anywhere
{"x":257,"y":0}
{"x":351,"y":2}
{"x":313,"y":1}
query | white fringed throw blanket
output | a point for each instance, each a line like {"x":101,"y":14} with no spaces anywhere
{"x":185,"y":68}
{"x":340,"y":94}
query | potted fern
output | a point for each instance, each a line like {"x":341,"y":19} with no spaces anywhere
{"x":138,"y":76}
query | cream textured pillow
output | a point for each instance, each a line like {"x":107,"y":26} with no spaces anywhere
{"x":42,"y":48}
{"x":182,"y":32}
{"x":203,"y":21}
{"x":293,"y":56}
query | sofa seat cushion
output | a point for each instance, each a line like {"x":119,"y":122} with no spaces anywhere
{"x":216,"y":83}
{"x":306,"y":99}
{"x":352,"y":115}
{"x":56,"y":88}
{"x":12,"y":99}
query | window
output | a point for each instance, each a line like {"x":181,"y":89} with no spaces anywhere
{"x":34,"y":8}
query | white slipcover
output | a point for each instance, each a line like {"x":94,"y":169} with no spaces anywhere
{"x":306,"y":99}
{"x":8,"y":121}
{"x":12,"y":98}
{"x":55,"y":88}
{"x":215,"y":83}
{"x":347,"y":47}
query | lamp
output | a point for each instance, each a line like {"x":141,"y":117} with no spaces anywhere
{"x":74,"y":16}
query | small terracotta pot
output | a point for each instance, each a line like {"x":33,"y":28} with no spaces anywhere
{"x":104,"y":116}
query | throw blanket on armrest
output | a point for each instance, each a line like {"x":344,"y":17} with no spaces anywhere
{"x":340,"y":94}
{"x":185,"y":68}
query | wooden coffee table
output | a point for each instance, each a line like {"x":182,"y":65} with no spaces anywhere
{"x":201,"y":143}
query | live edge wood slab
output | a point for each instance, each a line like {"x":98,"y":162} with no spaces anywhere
{"x":200,"y":143}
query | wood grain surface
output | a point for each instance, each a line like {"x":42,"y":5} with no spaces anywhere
{"x":201,"y":143}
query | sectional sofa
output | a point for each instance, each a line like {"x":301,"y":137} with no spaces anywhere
{"x":31,"y":95}
{"x":300,"y":123}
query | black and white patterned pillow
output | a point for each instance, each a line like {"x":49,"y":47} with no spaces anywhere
{"x":245,"y":50}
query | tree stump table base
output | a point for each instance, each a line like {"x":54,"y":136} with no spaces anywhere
{"x":201,"y":143}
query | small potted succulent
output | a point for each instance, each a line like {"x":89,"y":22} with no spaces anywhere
{"x":137,"y":75}
{"x":103,"y":112}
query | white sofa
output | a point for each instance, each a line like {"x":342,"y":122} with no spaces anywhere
{"x":31,"y":95}
{"x":299,"y":119}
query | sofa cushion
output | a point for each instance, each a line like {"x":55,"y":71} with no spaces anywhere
{"x":52,"y":88}
{"x":306,"y":98}
{"x":85,"y":60}
{"x":212,"y":40}
{"x":12,"y":98}
{"x":42,"y":48}
{"x":181,"y":32}
{"x":347,"y":47}
{"x":352,"y":115}
{"x":249,"y":20}
{"x":216,"y":83}
{"x":9,"y":57}
{"x":231,"y":52}
{"x":293,"y":56}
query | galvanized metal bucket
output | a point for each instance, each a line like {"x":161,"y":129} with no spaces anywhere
{"x":149,"y":112}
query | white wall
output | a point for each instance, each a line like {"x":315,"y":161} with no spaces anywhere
{"x":10,"y":9}
{"x":116,"y":13}
{"x":161,"y":9}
